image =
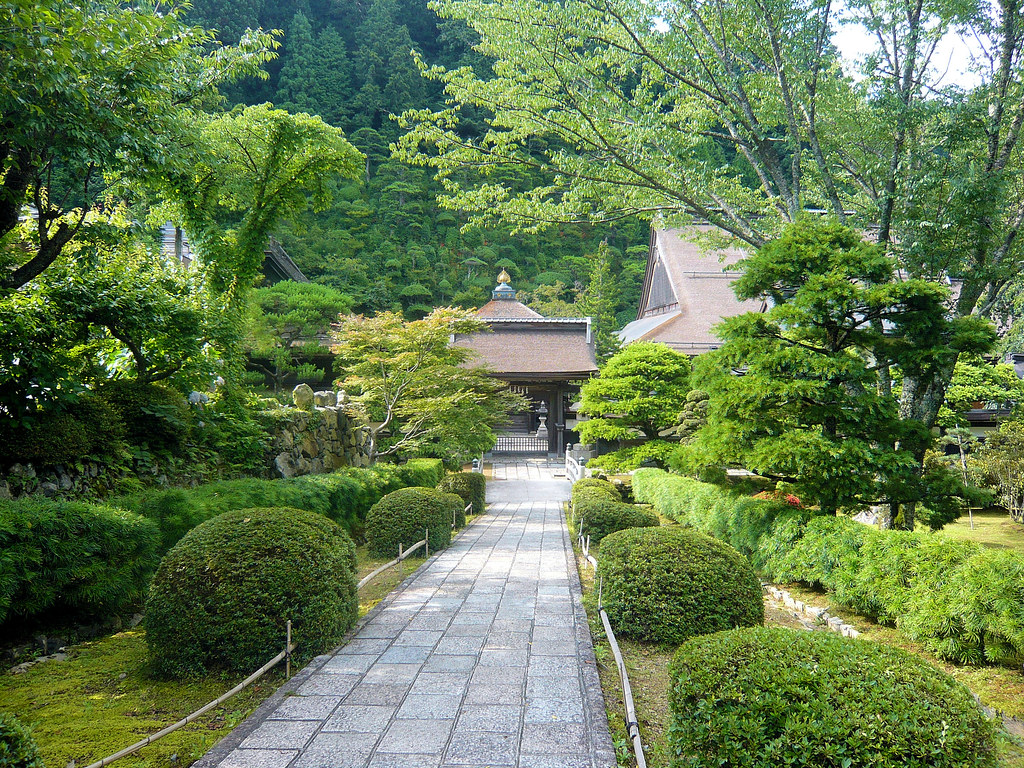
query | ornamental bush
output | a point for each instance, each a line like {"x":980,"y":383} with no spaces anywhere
{"x":17,"y":747}
{"x":422,"y":472}
{"x":71,"y":561}
{"x":402,"y":516}
{"x":600,"y":517}
{"x":671,"y":583}
{"x":222,"y":595}
{"x":764,"y":697}
{"x":470,"y":486}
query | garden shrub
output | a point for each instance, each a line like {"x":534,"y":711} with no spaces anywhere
{"x":71,"y":561}
{"x":426,"y":473}
{"x":86,"y":427}
{"x":765,"y":697}
{"x":153,"y":414}
{"x":17,"y":747}
{"x":470,"y":486}
{"x":600,"y":517}
{"x":670,"y":583}
{"x":222,"y":595}
{"x":402,"y":516}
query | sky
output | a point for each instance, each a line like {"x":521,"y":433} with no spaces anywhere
{"x":952,"y":58}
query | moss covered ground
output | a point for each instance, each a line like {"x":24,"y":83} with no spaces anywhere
{"x":102,"y":698}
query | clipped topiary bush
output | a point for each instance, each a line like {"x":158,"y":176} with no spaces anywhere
{"x":470,"y":486}
{"x":153,"y":414}
{"x":222,"y":595}
{"x":71,"y":561}
{"x":402,"y":516}
{"x":600,"y":517}
{"x":17,"y":747}
{"x":764,"y":697}
{"x":670,"y":583}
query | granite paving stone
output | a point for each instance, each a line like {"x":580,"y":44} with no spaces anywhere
{"x":481,"y":659}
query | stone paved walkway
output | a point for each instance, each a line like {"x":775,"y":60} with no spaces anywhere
{"x":483,"y":658}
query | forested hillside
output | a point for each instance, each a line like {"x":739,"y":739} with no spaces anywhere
{"x":386,"y":242}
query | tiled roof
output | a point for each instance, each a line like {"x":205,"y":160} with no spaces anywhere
{"x":686,"y":292}
{"x":498,"y":308}
{"x":537,"y":348}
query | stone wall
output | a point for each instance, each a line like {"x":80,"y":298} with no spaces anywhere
{"x":320,"y":434}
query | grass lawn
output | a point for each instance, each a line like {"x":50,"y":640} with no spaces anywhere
{"x":101,"y":699}
{"x":992,"y":528}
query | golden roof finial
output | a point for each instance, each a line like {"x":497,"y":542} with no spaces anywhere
{"x":504,"y":278}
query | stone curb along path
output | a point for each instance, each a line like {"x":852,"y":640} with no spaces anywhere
{"x":481,"y":659}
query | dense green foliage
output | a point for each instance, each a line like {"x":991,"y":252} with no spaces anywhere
{"x":423,"y":394}
{"x":639,"y":392}
{"x":17,"y":747}
{"x":68,"y":561}
{"x":963,"y":602}
{"x":222,"y":595}
{"x":597,"y":510}
{"x":153,"y":414}
{"x":597,"y":518}
{"x":344,"y":496}
{"x":471,"y":487}
{"x":767,"y":696}
{"x":810,"y":408}
{"x":671,"y":583}
{"x":404,"y":516}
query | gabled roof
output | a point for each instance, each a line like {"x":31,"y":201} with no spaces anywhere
{"x":277,"y":264}
{"x":505,"y":308}
{"x":686,"y":292}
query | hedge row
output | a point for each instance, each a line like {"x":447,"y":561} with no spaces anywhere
{"x":963,"y":602}
{"x":345,"y":496}
{"x":71,"y":561}
{"x":78,"y":561}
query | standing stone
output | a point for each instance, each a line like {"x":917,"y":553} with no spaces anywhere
{"x":324,"y":398}
{"x":303,"y":397}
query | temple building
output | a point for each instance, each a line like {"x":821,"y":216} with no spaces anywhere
{"x":687,"y":290}
{"x":543,"y":358}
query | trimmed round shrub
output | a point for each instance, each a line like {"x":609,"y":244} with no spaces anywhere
{"x":602,"y":517}
{"x":470,"y":486}
{"x":153,"y":414}
{"x":402,"y":516}
{"x":17,"y":747}
{"x":670,"y":583}
{"x":764,"y":697}
{"x":222,"y":595}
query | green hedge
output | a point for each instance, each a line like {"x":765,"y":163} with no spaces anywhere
{"x":71,"y":561}
{"x":152,"y":414}
{"x":470,"y":486}
{"x":426,"y":473}
{"x":766,"y":697}
{"x":345,"y":496}
{"x":17,"y":747}
{"x":671,"y":583}
{"x":402,"y":516}
{"x":963,"y":602}
{"x":222,"y":595}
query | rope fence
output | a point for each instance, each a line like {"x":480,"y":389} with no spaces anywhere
{"x":285,"y":655}
{"x":632,"y":726}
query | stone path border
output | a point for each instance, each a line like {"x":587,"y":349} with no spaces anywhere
{"x":481,"y":659}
